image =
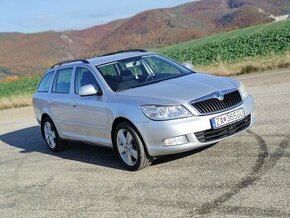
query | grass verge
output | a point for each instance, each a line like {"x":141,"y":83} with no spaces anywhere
{"x":249,"y":65}
{"x":17,"y":92}
{"x":15,"y":101}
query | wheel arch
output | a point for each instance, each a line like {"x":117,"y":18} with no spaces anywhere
{"x":119,"y":120}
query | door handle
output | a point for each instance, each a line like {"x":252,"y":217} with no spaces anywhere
{"x":49,"y":101}
{"x":74,"y":104}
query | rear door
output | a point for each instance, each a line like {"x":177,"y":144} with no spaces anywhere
{"x":61,"y":100}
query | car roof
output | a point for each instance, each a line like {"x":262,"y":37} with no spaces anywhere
{"x":103,"y":59}
{"x":115,"y":57}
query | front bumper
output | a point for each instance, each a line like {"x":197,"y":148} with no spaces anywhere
{"x":154,"y":132}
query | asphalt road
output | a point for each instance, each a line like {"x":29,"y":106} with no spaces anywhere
{"x":247,"y":175}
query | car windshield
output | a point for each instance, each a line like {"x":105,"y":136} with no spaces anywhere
{"x":139,"y":71}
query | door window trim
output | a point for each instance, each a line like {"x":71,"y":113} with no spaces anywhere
{"x":50,"y":85}
{"x":75,"y":78}
{"x":56,"y":76}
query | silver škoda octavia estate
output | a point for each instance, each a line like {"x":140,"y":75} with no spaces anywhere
{"x":141,"y":104}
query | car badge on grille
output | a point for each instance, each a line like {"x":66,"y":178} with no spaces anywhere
{"x":220,"y":96}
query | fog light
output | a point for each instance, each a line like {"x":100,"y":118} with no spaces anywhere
{"x":179,"y":140}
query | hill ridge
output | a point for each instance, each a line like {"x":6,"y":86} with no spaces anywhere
{"x":33,"y":53}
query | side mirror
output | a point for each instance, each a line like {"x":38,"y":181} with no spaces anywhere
{"x":188,"y":65}
{"x":89,"y":90}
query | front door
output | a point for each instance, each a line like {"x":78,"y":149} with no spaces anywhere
{"x":90,"y":119}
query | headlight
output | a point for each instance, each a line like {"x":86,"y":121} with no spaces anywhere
{"x":162,"y":112}
{"x":243,"y":91}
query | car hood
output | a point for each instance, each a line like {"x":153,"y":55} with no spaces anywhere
{"x":185,"y":88}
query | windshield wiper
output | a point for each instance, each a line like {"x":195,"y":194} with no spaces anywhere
{"x":144,"y":84}
{"x":121,"y":90}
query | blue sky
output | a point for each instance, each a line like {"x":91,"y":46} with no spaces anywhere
{"x":41,"y":15}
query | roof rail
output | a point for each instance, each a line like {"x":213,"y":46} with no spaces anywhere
{"x":71,"y":61}
{"x":124,"y":51}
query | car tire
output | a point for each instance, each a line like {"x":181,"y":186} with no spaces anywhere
{"x":50,"y":135}
{"x":130,"y":148}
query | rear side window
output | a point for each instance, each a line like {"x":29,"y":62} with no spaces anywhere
{"x":45,"y":82}
{"x":62,"y":81}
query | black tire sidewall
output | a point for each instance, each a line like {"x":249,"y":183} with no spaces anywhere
{"x":57,"y":138}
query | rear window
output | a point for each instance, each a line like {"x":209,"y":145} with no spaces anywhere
{"x":45,"y":82}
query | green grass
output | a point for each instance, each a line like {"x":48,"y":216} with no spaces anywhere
{"x":23,"y":86}
{"x":261,"y":40}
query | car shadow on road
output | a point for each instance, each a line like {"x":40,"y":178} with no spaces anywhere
{"x":30,"y":140}
{"x":173,"y":157}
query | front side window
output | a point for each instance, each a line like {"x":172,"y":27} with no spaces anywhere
{"x":45,"y":82}
{"x":140,"y":71}
{"x":84,"y":77}
{"x":62,"y":81}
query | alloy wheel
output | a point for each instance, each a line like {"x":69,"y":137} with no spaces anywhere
{"x":127,"y":147}
{"x":50,"y":135}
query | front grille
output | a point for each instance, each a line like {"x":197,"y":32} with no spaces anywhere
{"x":216,"y":134}
{"x":213,"y":104}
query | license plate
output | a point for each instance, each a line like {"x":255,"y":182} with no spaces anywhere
{"x":227,"y":118}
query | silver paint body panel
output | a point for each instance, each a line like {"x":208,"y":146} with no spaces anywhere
{"x":90,"y":118}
